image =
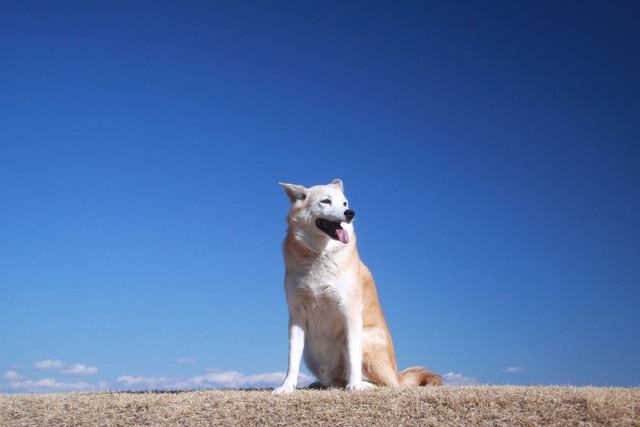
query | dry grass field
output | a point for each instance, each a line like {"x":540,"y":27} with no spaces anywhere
{"x":429,"y":406}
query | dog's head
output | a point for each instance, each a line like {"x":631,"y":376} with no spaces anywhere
{"x":320,"y":215}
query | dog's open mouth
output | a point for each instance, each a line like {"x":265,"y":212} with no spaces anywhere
{"x":333,"y":230}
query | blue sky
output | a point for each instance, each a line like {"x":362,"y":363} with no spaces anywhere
{"x":490,"y":151}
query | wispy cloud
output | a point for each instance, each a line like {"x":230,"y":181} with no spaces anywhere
{"x":211,"y":379}
{"x":79,"y":369}
{"x":146,"y":382}
{"x":227,"y":379}
{"x":513,"y":369}
{"x":17,"y":382}
{"x":186,"y":361}
{"x":453,"y":378}
{"x":48,"y":365}
{"x":51,"y":384}
{"x":12,"y":375}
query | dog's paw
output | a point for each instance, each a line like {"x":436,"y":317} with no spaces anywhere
{"x":360,"y":385}
{"x":284,"y":389}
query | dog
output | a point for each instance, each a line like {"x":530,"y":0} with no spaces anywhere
{"x":335,"y":319}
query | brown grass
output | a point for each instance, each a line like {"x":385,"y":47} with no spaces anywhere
{"x":425,"y":406}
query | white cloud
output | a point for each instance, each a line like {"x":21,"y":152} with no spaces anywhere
{"x":80,"y":369}
{"x":228,"y":379}
{"x":211,"y":379}
{"x":77,"y":369}
{"x":452,"y":378}
{"x":513,"y":369}
{"x":48,"y":364}
{"x":12,"y":375}
{"x":147,"y":382}
{"x":186,"y":361}
{"x":236,"y":379}
{"x":51,"y":384}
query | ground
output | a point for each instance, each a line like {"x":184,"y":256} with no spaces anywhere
{"x":424,"y":406}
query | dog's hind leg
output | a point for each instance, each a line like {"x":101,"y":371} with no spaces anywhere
{"x":377,"y":366}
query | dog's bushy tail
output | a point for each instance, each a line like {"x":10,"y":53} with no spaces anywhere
{"x":417,"y":375}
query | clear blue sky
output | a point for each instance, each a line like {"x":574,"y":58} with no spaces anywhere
{"x":490,"y":150}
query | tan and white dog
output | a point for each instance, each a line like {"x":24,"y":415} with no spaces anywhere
{"x":335,"y":318}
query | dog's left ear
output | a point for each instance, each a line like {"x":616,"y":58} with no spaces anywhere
{"x":338,"y":183}
{"x":294,"y":192}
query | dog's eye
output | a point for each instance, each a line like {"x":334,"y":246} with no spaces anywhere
{"x":327,"y":201}
{"x":345,"y":204}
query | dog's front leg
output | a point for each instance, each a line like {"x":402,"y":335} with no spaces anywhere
{"x":296,"y":346}
{"x":354,"y":351}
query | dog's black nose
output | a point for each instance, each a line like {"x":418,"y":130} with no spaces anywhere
{"x":349,"y":214}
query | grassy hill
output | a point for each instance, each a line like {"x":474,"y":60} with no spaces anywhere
{"x":473,"y":406}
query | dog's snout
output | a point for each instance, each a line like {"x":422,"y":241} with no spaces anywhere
{"x":349,"y":214}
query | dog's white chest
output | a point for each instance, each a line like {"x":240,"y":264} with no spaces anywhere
{"x":314,"y":289}
{"x":320,"y":295}
{"x":322,"y":280}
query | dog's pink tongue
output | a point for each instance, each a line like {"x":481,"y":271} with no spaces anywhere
{"x":343,"y":235}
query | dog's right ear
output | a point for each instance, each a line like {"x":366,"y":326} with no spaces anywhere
{"x":295,"y":192}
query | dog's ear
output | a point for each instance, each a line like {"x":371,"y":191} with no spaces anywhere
{"x":338,"y":183}
{"x":295,"y":192}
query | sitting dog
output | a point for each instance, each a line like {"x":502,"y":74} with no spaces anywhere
{"x":335,"y":318}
